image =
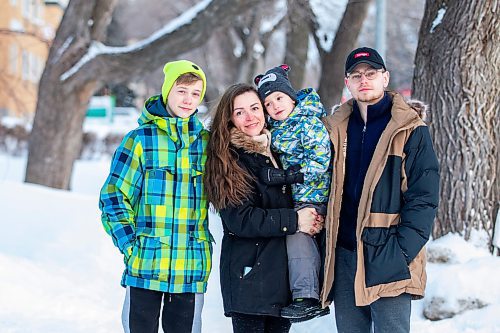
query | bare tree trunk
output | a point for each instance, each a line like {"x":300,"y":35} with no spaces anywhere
{"x":249,"y":35}
{"x":332,"y":63}
{"x":78,"y":65}
{"x":297,"y":40}
{"x":457,"y":73}
{"x":56,"y":136}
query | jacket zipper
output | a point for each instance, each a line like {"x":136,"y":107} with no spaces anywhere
{"x":369,"y":199}
{"x":173,"y":226}
{"x":191,"y":239}
{"x":194,"y":179}
{"x":360,"y":161}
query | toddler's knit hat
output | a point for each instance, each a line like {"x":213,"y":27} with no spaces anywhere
{"x":275,"y":79}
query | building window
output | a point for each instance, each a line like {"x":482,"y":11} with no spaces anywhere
{"x":16,"y":25}
{"x":41,"y":10}
{"x":26,"y":8}
{"x":35,"y":67}
{"x":37,"y":7}
{"x":41,"y":68}
{"x":13,"y":56}
{"x":31,"y":67}
{"x":25,"y":65}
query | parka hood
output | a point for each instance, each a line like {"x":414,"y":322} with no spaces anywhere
{"x":420,"y":107}
{"x":153,"y":108}
{"x":154,"y":111}
{"x":308,"y":104}
{"x":182,"y":131}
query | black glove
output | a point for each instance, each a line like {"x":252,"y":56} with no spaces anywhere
{"x":273,"y":176}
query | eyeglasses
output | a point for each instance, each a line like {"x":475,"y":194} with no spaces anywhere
{"x":369,"y":74}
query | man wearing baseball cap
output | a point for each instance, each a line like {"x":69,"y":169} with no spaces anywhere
{"x":382,"y":202}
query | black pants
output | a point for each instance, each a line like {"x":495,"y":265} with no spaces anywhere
{"x":244,"y":323}
{"x":178,"y":314}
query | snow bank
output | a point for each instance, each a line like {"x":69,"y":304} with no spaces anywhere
{"x":60,"y":271}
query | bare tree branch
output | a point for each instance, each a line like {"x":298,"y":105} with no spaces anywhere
{"x":332,"y":63}
{"x":101,"y":17}
{"x":25,"y":33}
{"x":297,"y":39}
{"x":78,"y":65}
{"x":118,"y":63}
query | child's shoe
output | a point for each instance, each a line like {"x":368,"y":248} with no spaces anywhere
{"x":303,"y":309}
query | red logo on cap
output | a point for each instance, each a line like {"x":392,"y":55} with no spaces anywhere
{"x":361,"y":54}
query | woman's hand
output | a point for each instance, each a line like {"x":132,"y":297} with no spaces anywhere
{"x":310,"y":222}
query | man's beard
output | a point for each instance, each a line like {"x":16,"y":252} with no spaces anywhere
{"x":371,"y":98}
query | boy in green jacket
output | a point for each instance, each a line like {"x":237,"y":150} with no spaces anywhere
{"x":154,"y":207}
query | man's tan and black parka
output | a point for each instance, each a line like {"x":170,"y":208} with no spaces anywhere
{"x":397,"y":206}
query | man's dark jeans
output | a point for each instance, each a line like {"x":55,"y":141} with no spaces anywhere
{"x":387,"y":314}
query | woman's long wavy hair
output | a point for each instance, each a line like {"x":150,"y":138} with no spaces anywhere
{"x":226,"y":183}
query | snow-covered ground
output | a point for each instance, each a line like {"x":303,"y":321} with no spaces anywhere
{"x":59,"y":271}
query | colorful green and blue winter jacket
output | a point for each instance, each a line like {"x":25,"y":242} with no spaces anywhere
{"x":302,"y":139}
{"x":154,"y":206}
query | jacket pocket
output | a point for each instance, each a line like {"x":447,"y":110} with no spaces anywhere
{"x":196,"y":173}
{"x":199,"y":257}
{"x":383,"y":259}
{"x":197,"y":193}
{"x":146,"y":259}
{"x":158,"y":186}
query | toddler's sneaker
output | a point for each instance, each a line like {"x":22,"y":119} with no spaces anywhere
{"x":303,"y":309}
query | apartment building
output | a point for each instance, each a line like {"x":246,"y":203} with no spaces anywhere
{"x":27,"y":28}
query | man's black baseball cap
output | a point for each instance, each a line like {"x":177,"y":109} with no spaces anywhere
{"x":364,"y":55}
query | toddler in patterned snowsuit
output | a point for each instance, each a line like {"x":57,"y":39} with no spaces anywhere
{"x":303,"y":144}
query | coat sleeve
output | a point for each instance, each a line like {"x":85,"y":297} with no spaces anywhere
{"x":420,"y":200}
{"x":249,"y":221}
{"x":317,"y":148}
{"x":120,"y":193}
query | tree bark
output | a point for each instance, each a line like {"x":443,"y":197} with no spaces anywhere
{"x":68,"y":82}
{"x":297,"y":40}
{"x":333,"y":62}
{"x":457,"y":74}
{"x":55,"y":139}
{"x":249,"y":34}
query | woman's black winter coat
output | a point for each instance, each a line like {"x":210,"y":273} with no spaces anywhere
{"x":253,"y":266}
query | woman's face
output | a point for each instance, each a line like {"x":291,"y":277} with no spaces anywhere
{"x":248,"y":114}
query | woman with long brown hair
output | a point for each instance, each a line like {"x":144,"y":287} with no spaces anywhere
{"x":244,"y":183}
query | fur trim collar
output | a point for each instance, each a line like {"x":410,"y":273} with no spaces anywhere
{"x":420,"y":107}
{"x":249,"y":144}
